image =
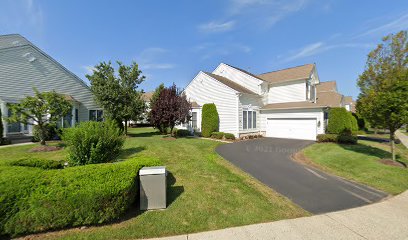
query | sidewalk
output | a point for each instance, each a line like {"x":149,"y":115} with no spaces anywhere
{"x":383,"y":220}
{"x":402,"y":137}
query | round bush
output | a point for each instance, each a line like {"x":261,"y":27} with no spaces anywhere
{"x":210,"y":120}
{"x":93,"y":142}
{"x":353,"y":122}
{"x":339,"y":120}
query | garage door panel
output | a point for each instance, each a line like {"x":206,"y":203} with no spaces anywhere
{"x":295,"y":128}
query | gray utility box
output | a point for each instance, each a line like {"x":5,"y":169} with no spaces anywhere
{"x":153,"y":187}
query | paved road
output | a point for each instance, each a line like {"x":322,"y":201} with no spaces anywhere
{"x":269,"y":161}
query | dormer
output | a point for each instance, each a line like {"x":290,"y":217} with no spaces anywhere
{"x":294,"y":84}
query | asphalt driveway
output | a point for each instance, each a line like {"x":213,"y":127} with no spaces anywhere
{"x":268,"y":160}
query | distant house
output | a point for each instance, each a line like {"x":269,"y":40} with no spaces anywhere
{"x":23,"y":66}
{"x":288,"y":103}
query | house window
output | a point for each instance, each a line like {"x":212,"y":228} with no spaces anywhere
{"x":96,"y":115}
{"x":244,"y":120}
{"x":76,"y":115}
{"x":194,"y":120}
{"x":248,"y":120}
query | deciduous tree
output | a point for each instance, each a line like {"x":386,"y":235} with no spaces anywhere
{"x":171,"y":108}
{"x":41,"y":109}
{"x":383,"y":100}
{"x":118,"y":93}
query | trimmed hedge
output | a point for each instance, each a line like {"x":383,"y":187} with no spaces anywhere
{"x":93,"y":142}
{"x":33,"y":199}
{"x":181,"y":132}
{"x":354,"y":123}
{"x":339,"y":120}
{"x":229,"y":136}
{"x":222,"y":135}
{"x":210,"y":119}
{"x":344,"y":138}
{"x":38,"y":163}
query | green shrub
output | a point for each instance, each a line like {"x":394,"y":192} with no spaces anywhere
{"x":353,"y":122}
{"x":360,"y":122}
{"x":210,"y":120}
{"x":93,"y":142}
{"x":181,"y":132}
{"x":338,"y":120}
{"x":51,"y":132}
{"x":327,"y":138}
{"x":217,"y":135}
{"x":346,"y":137}
{"x":229,"y":136}
{"x":35,"y":200}
{"x":38,"y":163}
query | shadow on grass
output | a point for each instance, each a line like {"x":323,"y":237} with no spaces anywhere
{"x":143,"y":134}
{"x":173,"y":192}
{"x":128,"y":152}
{"x":367,"y":150}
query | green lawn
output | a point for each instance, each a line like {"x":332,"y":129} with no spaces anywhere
{"x":205,"y":191}
{"x":361,"y":163}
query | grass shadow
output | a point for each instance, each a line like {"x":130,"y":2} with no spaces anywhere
{"x":173,"y":192}
{"x":128,"y":152}
{"x":367,"y":150}
{"x":143,"y":134}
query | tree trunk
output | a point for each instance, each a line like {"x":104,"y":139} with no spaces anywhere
{"x":126,"y":121}
{"x":171,"y":131}
{"x":42,"y":133}
{"x":392,"y":138}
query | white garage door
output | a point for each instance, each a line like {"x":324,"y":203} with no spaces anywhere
{"x":296,"y":128}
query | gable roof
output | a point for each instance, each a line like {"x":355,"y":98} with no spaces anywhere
{"x":326,"y":87}
{"x":348,"y":100}
{"x":244,"y":71}
{"x":147,"y":96}
{"x":293,"y":105}
{"x":288,"y":74}
{"x":330,"y":99}
{"x":230,"y":83}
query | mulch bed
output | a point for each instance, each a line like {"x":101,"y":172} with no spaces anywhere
{"x":169,"y":138}
{"x":390,"y":162}
{"x":45,"y":149}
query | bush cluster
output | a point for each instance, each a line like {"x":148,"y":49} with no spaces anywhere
{"x":339,"y":120}
{"x":345,"y":137}
{"x":181,"y":132}
{"x":93,"y":142}
{"x":210,"y":119}
{"x":35,"y":199}
{"x":51,"y":132}
{"x":38,"y":163}
{"x":222,"y":135}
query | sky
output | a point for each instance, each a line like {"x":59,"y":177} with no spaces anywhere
{"x":173,"y":40}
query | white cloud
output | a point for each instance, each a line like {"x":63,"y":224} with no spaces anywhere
{"x":150,"y":58}
{"x":320,"y":47}
{"x":213,"y":26}
{"x":21,"y":15}
{"x":395,"y":25}
{"x":209,"y":50}
{"x":88,"y":69}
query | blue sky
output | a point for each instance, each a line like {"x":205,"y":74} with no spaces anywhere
{"x":173,"y":40}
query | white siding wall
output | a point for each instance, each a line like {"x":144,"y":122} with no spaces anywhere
{"x":204,"y":89}
{"x":287,"y":92}
{"x":294,"y":113}
{"x":253,"y":103}
{"x":239,"y":77}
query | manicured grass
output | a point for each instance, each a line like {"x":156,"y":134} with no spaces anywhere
{"x":361,"y":163}
{"x":205,"y":192}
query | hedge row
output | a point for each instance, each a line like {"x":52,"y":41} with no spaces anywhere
{"x":337,"y":138}
{"x":33,"y":199}
{"x":181,"y":132}
{"x":222,"y":135}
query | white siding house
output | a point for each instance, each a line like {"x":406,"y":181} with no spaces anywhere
{"x":23,"y":66}
{"x":283,"y":103}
